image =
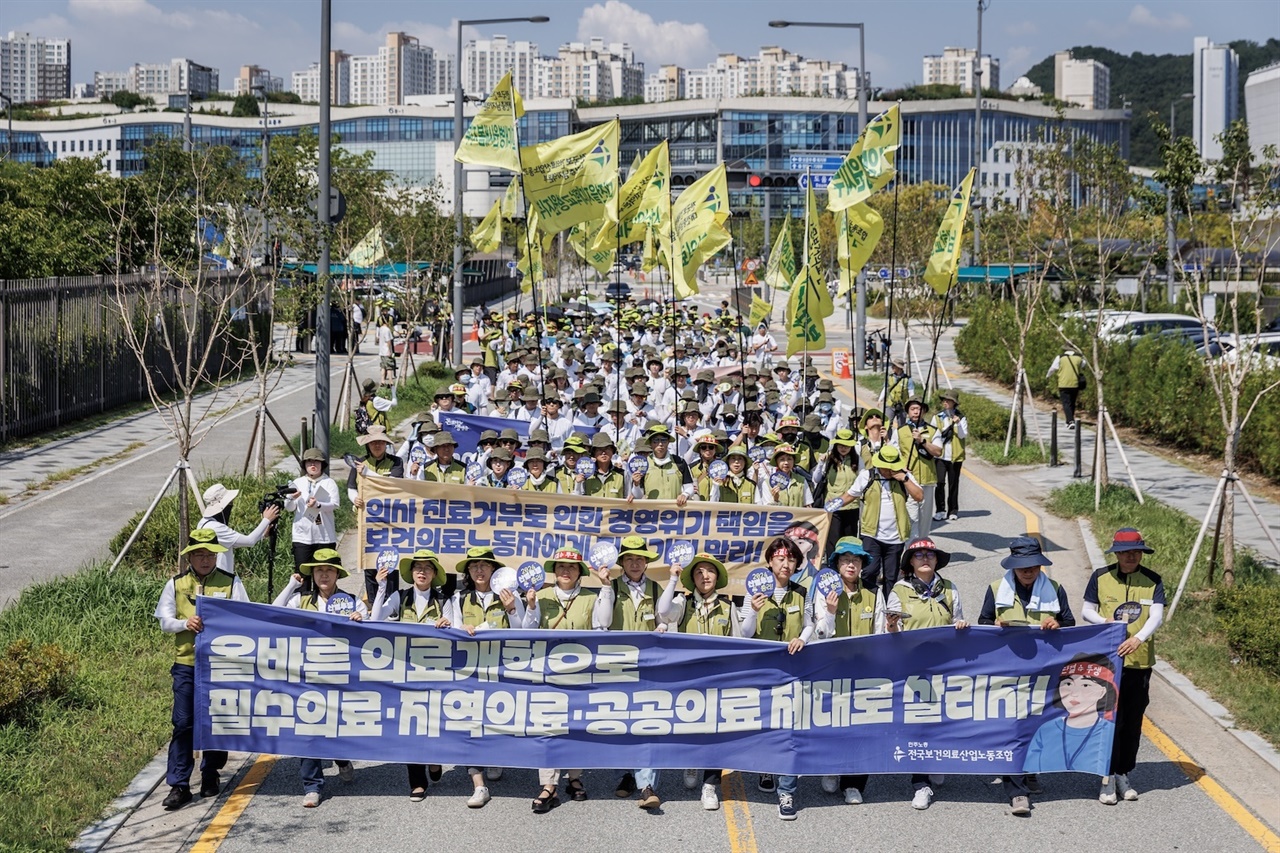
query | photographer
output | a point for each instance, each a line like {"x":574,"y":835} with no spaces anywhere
{"x":217,"y":516}
{"x":917,"y":440}
{"x":952,"y":433}
{"x":312,"y":498}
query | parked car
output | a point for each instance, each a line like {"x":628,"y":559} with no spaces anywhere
{"x":1135,"y":324}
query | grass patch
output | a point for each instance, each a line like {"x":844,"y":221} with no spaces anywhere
{"x":70,"y":473}
{"x":1195,"y":639}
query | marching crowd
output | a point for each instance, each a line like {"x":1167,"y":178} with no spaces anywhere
{"x":681,"y":408}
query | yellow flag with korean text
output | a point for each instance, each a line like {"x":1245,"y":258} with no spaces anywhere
{"x":511,"y":200}
{"x":869,"y":166}
{"x":574,"y":178}
{"x":487,"y":236}
{"x":697,"y":226}
{"x":491,"y":138}
{"x":781,"y":269}
{"x":369,"y":250}
{"x":760,"y":311}
{"x":630,"y":227}
{"x":530,"y":263}
{"x":582,"y":238}
{"x":945,"y":260}
{"x":860,"y":229}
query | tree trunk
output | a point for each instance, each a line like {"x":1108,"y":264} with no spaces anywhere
{"x":1229,"y":508}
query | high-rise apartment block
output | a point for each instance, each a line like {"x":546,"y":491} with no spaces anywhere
{"x":306,"y":84}
{"x":590,"y":71}
{"x":484,"y":61}
{"x":1081,"y":82}
{"x":955,"y":68}
{"x":34,"y":68}
{"x":177,"y":76}
{"x":773,"y":72}
{"x":1262,"y":105}
{"x":253,"y":77}
{"x":1215,"y":70}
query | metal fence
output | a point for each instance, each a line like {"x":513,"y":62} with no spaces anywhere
{"x":63,"y":350}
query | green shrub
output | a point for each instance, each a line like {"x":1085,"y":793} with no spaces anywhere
{"x":30,"y":675}
{"x":1244,"y":616}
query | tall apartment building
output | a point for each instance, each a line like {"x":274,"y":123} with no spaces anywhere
{"x":592,"y":72}
{"x":160,"y":79}
{"x":484,"y":61}
{"x":666,"y":85}
{"x":306,"y":84}
{"x":34,"y":68}
{"x":401,"y":67}
{"x":1215,"y":70}
{"x":1082,"y":82}
{"x":1262,"y":105}
{"x":774,"y":72}
{"x":252,"y":76}
{"x":955,"y":68}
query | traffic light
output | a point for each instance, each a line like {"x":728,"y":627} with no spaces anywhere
{"x":742,"y":180}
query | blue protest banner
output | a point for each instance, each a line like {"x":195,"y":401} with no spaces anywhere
{"x":981,"y":700}
{"x":466,"y":430}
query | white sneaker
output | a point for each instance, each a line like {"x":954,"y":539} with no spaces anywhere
{"x":953,"y":517}
{"x":939,"y":516}
{"x":937,"y":780}
{"x":311,"y":800}
{"x":852,"y":796}
{"x":922,"y":799}
{"x":710,"y":799}
{"x":479,"y":798}
{"x":347,"y":772}
{"x":1107,"y":795}
{"x":1123,"y":787}
{"x":831,"y":784}
{"x":493,"y":774}
{"x":691,"y":778}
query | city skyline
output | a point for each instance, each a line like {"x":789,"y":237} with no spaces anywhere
{"x":110,"y":35}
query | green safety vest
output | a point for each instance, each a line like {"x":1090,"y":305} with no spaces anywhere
{"x":956,"y":443}
{"x":553,"y":615}
{"x":805,"y":457}
{"x":702,"y":479}
{"x":614,"y":485}
{"x":1017,"y":614}
{"x":793,"y":494}
{"x":932,"y":612}
{"x":855,"y":616}
{"x":375,"y":416}
{"x":743,"y":493}
{"x":490,"y":354}
{"x":383,"y":465}
{"x":1114,"y":589}
{"x":409,"y":613}
{"x":629,"y":616}
{"x":839,"y":478}
{"x":663,"y":482}
{"x":716,"y":622}
{"x":455,"y":473}
{"x":548,"y":484}
{"x":792,"y":610}
{"x":1069,"y":371}
{"x":920,"y":466}
{"x":871,"y":508}
{"x":186,"y":588}
{"x":474,"y":614}
{"x":897,"y":395}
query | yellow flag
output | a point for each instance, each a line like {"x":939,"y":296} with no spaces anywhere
{"x":491,"y":138}
{"x":487,"y":236}
{"x":946,"y":246}
{"x":530,"y":264}
{"x":582,"y":237}
{"x":805,"y":329}
{"x":654,"y":212}
{"x":629,"y":227}
{"x":869,"y":166}
{"x":511,"y":200}
{"x":697,"y":220}
{"x":650,"y":258}
{"x":574,"y":178}
{"x":781,"y":269}
{"x":860,"y":229}
{"x":369,"y":250}
{"x":760,"y":311}
{"x":821,"y":304}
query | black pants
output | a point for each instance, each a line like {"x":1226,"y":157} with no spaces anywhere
{"x":946,"y":496}
{"x":1068,"y":397}
{"x":1135,"y":695}
{"x":882,"y":557}
{"x":844,"y":522}
{"x":355,"y":337}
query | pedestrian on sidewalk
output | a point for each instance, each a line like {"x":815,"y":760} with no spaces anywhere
{"x":217,"y":517}
{"x":952,"y":432}
{"x":1128,"y":592}
{"x":357,"y":326}
{"x":1069,"y":368}
{"x":179,"y":614}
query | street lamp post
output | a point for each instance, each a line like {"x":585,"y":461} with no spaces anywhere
{"x":1170,"y":248}
{"x":864,"y":82}
{"x":458,"y":178}
{"x":8,"y":111}
{"x":977,"y":134}
{"x":266,"y":146}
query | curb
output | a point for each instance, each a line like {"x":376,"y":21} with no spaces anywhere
{"x":1183,"y":685}
{"x":95,"y":836}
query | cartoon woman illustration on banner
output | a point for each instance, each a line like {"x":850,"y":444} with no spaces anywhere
{"x":1082,"y":739}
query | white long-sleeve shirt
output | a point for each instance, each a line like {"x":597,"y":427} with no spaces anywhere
{"x":671,"y":607}
{"x":292,"y":598}
{"x":826,"y":620}
{"x":231,"y":540}
{"x":810,"y":626}
{"x":453,"y":611}
{"x":314,"y":525}
{"x":167,"y":607}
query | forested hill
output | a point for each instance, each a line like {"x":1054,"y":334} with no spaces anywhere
{"x":1150,"y":82}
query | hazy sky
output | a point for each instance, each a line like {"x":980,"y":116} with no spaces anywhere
{"x":284,"y":35}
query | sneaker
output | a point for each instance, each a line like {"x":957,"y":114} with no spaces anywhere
{"x":649,"y":798}
{"x":767,"y":783}
{"x":1123,"y":787}
{"x":1107,"y":796}
{"x":691,"y":778}
{"x":479,"y":798}
{"x":830,"y":784}
{"x":434,"y":772}
{"x":852,"y":797}
{"x":953,"y":517}
{"x":1032,"y":781}
{"x":938,"y":516}
{"x":998,"y":780}
{"x":311,"y":800}
{"x":210,"y":783}
{"x":923,"y":798}
{"x":626,"y":786}
{"x":179,"y":796}
{"x":710,"y":799}
{"x":417,"y":795}
{"x":937,"y":780}
{"x":346,"y":772}
{"x":1021,"y":806}
{"x":493,"y":774}
{"x":1071,"y":425}
{"x":786,"y":807}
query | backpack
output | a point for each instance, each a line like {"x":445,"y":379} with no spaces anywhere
{"x":363,"y":419}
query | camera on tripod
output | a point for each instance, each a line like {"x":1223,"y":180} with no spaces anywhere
{"x":276,"y":498}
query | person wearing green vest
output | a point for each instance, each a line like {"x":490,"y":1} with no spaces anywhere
{"x":1069,"y":368}
{"x":566,"y":606}
{"x":795,"y":492}
{"x":325,"y":571}
{"x":445,"y":468}
{"x":535,"y":462}
{"x":703,"y":611}
{"x":634,"y":601}
{"x":708,"y":449}
{"x":899,"y":389}
{"x":1127,"y":592}
{"x":871,"y":435}
{"x":835,"y":474}
{"x":668,"y":477}
{"x":607,"y":481}
{"x":737,"y":487}
{"x":924,"y":599}
{"x":419,"y":603}
{"x":378,"y":462}
{"x":178,"y":613}
{"x":951,"y":432}
{"x":784,"y":617}
{"x":883,"y":487}
{"x":373,"y":407}
{"x":567,"y":475}
{"x":1025,"y":596}
{"x":918,"y":442}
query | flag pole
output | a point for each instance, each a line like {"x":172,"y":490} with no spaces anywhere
{"x":528,"y":239}
{"x":852,"y":293}
{"x":808,"y":179}
{"x":893,"y":277}
{"x":737,"y":299}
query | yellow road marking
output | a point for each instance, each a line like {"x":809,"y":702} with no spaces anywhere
{"x":737,"y":814}
{"x":1033,"y":520}
{"x":1229,"y":804}
{"x":216,"y":832}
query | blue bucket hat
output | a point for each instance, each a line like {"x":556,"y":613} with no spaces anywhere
{"x":849,"y":545}
{"x":1024,"y":553}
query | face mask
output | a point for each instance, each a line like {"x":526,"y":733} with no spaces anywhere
{"x":825,"y":408}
